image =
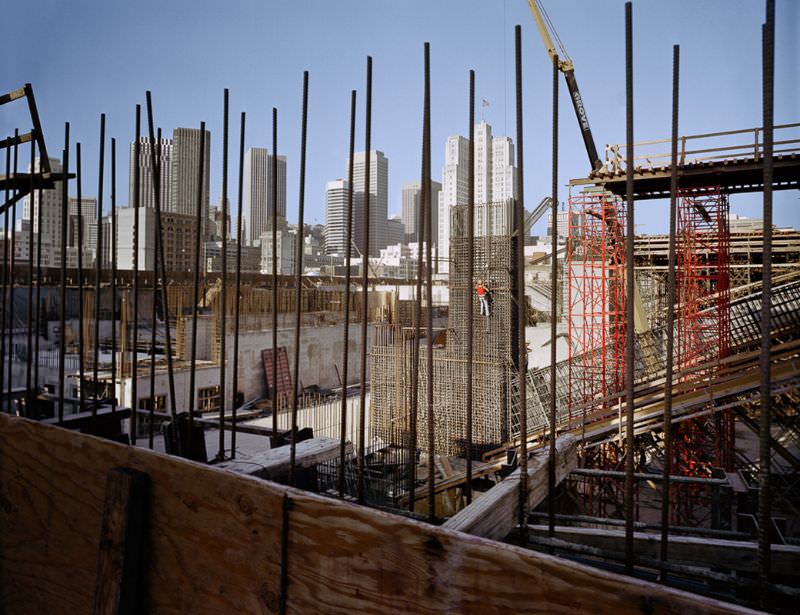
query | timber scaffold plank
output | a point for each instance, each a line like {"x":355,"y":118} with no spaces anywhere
{"x":214,"y":538}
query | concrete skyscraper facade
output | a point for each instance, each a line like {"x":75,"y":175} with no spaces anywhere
{"x":378,"y":200}
{"x":455,"y":187}
{"x":258,"y":205}
{"x":184,"y":174}
{"x":410,"y":211}
{"x":49,"y":233}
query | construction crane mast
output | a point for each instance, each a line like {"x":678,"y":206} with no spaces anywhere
{"x":565,"y":65}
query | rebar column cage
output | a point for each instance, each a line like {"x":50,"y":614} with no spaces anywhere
{"x":703,"y":335}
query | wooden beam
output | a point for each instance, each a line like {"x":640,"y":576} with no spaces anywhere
{"x":215,"y":536}
{"x":495,"y":513}
{"x":712,"y":552}
{"x":274,"y":463}
{"x":119,"y":589}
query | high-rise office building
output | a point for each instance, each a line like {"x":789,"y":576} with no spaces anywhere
{"x":49,"y":233}
{"x":410,"y":211}
{"x":185,"y":173}
{"x":495,"y":185}
{"x":258,"y":206}
{"x":336,"y":199}
{"x":378,"y":199}
{"x":146,"y":193}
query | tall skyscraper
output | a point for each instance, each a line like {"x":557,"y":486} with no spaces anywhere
{"x":50,"y":231}
{"x":495,"y":185}
{"x":336,"y":195}
{"x":410,"y":212}
{"x":378,"y":200}
{"x":184,"y":174}
{"x":258,"y":203}
{"x":146,"y":195}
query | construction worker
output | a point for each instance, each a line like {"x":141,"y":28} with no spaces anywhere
{"x":483,"y":296}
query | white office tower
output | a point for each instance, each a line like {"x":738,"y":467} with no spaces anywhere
{"x":163,"y":154}
{"x":285,"y":250}
{"x":378,"y":199}
{"x":411,"y":204}
{"x":258,"y":205}
{"x":49,"y":234}
{"x":483,"y":163}
{"x":455,"y":180}
{"x":336,"y":194}
{"x":504,"y":173}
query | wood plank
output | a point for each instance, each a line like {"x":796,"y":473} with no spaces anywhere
{"x":274,"y":463}
{"x":712,"y":552}
{"x":495,"y":513}
{"x":214,"y":546}
{"x":119,"y":590}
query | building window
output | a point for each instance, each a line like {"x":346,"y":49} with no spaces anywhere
{"x":161,"y":403}
{"x":208,"y":399}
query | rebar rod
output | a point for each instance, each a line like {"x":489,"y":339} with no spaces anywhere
{"x":364,"y":285}
{"x":12,"y":276}
{"x":6,"y":276}
{"x":764,"y":452}
{"x":28,"y":353}
{"x":425,"y":206}
{"x":38,"y":283}
{"x":274,"y":191}
{"x":156,"y":165}
{"x":238,"y":302}
{"x":299,"y":277}
{"x":81,"y":314}
{"x":196,"y":285}
{"x":223,"y":312}
{"x":63,"y":303}
{"x":154,"y":321}
{"x":470,"y":281}
{"x":522,"y":312}
{"x":551,"y":469}
{"x":113,"y":289}
{"x":347,"y":258}
{"x":671,"y":299}
{"x":98,"y":260}
{"x":629,"y":290}
{"x":136,"y":202}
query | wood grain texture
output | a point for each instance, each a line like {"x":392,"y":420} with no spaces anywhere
{"x":275,"y":462}
{"x":214,"y":546}
{"x":495,"y":513}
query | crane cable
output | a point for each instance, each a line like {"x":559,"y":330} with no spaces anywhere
{"x":563,"y":50}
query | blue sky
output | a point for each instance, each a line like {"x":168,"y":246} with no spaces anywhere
{"x":100,"y":56}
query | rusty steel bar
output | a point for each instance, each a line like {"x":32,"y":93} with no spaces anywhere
{"x":63,"y":306}
{"x":196,"y":285}
{"x":671,"y":292}
{"x":29,"y":353}
{"x":12,"y":276}
{"x":470,"y":280}
{"x":235,"y":384}
{"x":156,"y":165}
{"x":98,"y":259}
{"x":298,"y":266}
{"x":223,"y":298}
{"x":522,"y":313}
{"x":274,"y":187}
{"x":629,"y":289}
{"x":764,"y":452}
{"x":427,"y":212}
{"x":38,"y":287}
{"x":136,"y":202}
{"x":154,"y":324}
{"x":364,"y":286}
{"x":81,"y":315}
{"x":348,"y":252}
{"x":113,"y":290}
{"x":6,"y":276}
{"x":551,"y":470}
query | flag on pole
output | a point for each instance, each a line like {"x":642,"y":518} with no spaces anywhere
{"x":485,"y":103}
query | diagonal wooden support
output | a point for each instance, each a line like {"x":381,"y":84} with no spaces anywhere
{"x":494,"y":514}
{"x":120,"y":579}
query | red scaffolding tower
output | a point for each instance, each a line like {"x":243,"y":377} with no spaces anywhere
{"x":702,"y":336}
